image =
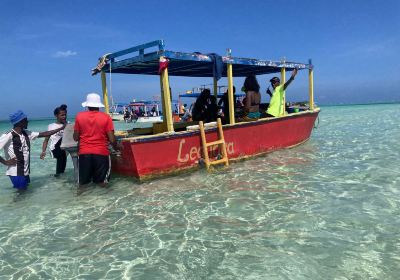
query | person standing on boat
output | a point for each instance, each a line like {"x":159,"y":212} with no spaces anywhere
{"x":55,"y":140}
{"x":94,"y":130}
{"x":276,"y":107}
{"x":17,"y":149}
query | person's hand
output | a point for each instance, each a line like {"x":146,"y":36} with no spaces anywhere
{"x":294,"y":73}
{"x":119,"y":147}
{"x":42,"y":155}
{"x":10,"y":162}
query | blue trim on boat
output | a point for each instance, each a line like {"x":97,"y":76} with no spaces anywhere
{"x":190,"y":64}
{"x":140,"y":48}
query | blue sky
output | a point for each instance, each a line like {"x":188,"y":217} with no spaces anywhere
{"x":47,"y":48}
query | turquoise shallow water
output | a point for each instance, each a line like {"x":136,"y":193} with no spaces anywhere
{"x":328,"y":209}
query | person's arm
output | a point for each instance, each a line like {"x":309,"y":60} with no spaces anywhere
{"x":247,"y":103}
{"x":44,"y":147}
{"x":269,"y":92}
{"x":76,"y":135}
{"x":4,"y":140}
{"x":112,"y":140}
{"x":50,"y":132}
{"x":110,"y":134}
{"x":9,"y":162}
{"x":294,"y":73}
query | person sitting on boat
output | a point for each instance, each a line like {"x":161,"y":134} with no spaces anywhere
{"x":154,"y":111}
{"x":55,"y":140}
{"x":186,"y":116}
{"x":252,"y":99}
{"x":182,"y":109}
{"x":212,"y":109}
{"x":141,"y":112}
{"x":199,"y":112}
{"x":224,"y":104}
{"x":17,"y":149}
{"x":127,"y":115}
{"x":276,"y":107}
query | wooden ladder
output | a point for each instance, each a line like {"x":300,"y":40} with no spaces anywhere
{"x":220,"y":142}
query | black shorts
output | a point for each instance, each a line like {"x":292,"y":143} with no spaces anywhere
{"x":94,"y":168}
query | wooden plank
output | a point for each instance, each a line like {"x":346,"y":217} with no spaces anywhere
{"x":311,"y":86}
{"x":159,"y":43}
{"x":204,"y":145}
{"x":215,"y":143}
{"x":218,"y":161}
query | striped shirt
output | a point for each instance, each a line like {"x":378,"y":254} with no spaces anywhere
{"x":18,"y":146}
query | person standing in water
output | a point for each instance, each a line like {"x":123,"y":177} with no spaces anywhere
{"x":94,"y":130}
{"x":17,"y":149}
{"x":55,"y":140}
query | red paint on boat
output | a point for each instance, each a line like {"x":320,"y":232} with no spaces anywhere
{"x":150,"y":156}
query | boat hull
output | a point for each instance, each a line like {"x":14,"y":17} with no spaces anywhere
{"x":149,"y":119}
{"x":158,"y":155}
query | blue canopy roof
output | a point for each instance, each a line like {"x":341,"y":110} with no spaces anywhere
{"x":186,"y":64}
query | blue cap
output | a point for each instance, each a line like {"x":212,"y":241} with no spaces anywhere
{"x":17,"y":117}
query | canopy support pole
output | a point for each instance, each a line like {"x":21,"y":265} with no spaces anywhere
{"x":283,"y":81}
{"x":166,"y":101}
{"x":230,"y":91}
{"x":105,"y":93}
{"x":215,"y":87}
{"x":311,"y":85}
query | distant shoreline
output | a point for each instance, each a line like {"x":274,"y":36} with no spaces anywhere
{"x":323,"y":105}
{"x":360,"y":104}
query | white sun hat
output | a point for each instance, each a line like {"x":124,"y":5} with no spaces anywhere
{"x":93,"y":100}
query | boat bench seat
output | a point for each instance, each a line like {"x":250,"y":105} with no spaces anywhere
{"x":160,"y":127}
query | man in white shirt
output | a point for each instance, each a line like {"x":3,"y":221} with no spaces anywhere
{"x":17,"y":146}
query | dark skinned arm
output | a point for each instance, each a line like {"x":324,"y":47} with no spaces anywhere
{"x":247,"y":103}
{"x":9,"y":162}
{"x":294,"y":73}
{"x":50,"y":132}
{"x":76,"y":136}
{"x":44,"y":147}
{"x":112,"y":140}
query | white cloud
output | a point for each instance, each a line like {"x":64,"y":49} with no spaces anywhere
{"x":67,"y":53}
{"x":368,"y":49}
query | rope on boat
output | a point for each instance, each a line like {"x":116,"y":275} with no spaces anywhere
{"x":111,"y":97}
{"x":316,"y":125}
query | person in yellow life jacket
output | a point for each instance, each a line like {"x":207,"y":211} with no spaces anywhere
{"x":276,"y":106}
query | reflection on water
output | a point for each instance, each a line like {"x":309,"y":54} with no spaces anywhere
{"x":326,"y":209}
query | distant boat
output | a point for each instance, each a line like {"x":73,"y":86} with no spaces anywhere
{"x":196,"y":91}
{"x":145,"y":112}
{"x":117,"y":111}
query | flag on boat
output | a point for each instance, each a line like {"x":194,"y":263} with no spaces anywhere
{"x":102,"y":62}
{"x":163,"y":64}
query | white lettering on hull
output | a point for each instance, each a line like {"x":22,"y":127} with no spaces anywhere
{"x":195,"y":152}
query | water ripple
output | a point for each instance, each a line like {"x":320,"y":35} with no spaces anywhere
{"x":326,"y":209}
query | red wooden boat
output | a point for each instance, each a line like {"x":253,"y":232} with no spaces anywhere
{"x":167,"y":147}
